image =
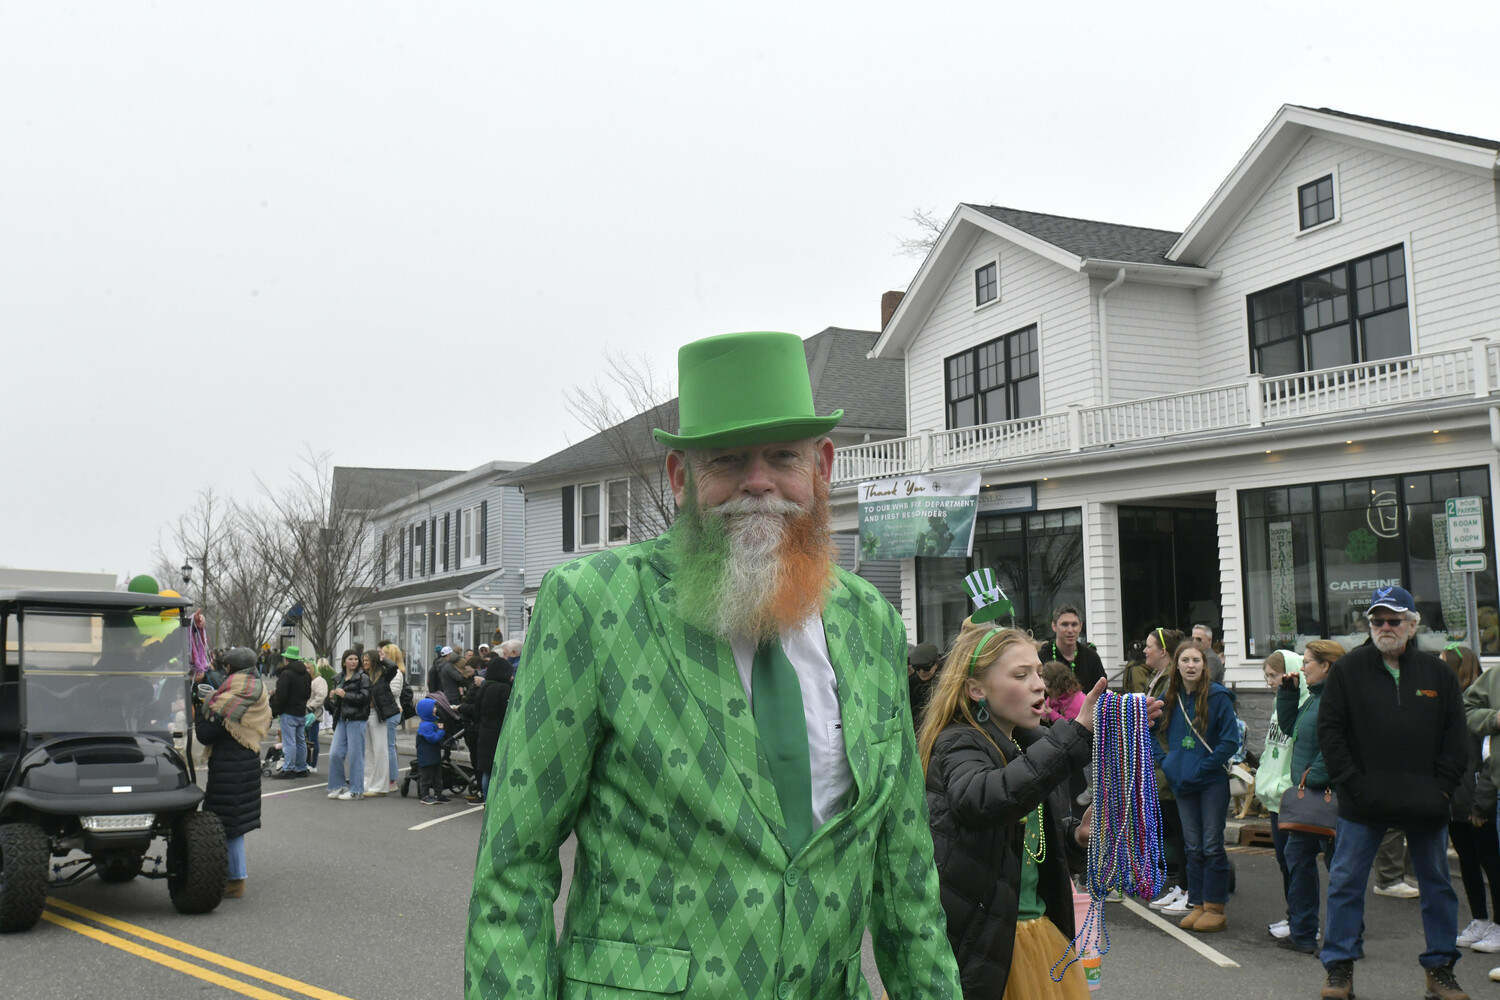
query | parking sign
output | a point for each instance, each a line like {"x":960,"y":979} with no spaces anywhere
{"x":1465,"y":523}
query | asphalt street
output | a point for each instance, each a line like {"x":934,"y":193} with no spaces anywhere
{"x":367,"y":901}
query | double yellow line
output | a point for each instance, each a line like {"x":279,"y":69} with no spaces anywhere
{"x":173,"y":962}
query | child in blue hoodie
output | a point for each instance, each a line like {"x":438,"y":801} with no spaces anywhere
{"x":430,"y":754}
{"x":1202,"y":733}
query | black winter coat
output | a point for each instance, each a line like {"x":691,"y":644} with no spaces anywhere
{"x":380,"y":691}
{"x":978,"y":805}
{"x":233,"y":789}
{"x":354,"y":706}
{"x":293,"y":688}
{"x":1394,"y":750}
{"x":494,"y":696}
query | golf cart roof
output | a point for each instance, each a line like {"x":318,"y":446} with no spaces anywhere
{"x":104,"y":599}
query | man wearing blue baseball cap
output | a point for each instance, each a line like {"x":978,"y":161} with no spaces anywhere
{"x":1392,"y":730}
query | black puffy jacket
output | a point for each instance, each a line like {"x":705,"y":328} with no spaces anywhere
{"x":494,"y":697}
{"x":293,"y":688}
{"x":354,"y":706}
{"x":380,"y":690}
{"x":978,"y":805}
{"x":233,"y":789}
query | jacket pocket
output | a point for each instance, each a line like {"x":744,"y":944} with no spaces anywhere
{"x":884,"y":730}
{"x":1401,"y":795}
{"x":627,"y":966}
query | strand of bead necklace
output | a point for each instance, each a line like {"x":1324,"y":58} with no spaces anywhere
{"x":1125,"y":848}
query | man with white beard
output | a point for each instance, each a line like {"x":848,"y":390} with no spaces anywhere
{"x":1395,"y":741}
{"x":720,"y":716}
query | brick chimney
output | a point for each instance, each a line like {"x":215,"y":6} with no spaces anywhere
{"x":888,"y":303}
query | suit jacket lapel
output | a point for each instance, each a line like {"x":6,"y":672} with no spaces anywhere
{"x":705,"y":664}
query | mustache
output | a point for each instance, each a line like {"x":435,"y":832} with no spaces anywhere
{"x":744,"y":506}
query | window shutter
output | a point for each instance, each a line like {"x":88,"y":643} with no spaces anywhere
{"x":401,"y":554}
{"x":484,"y":532}
{"x":446,"y":536}
{"x":458,"y":538}
{"x":432,"y":545}
{"x":567,"y":518}
{"x":382,"y":557}
{"x":411,"y":539}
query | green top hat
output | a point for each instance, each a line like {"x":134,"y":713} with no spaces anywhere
{"x":744,"y":388}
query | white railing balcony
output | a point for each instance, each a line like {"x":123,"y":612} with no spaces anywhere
{"x":1349,"y":391}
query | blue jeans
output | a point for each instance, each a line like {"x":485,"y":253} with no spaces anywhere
{"x":348,"y":741}
{"x":1304,"y":890}
{"x":390,"y":739}
{"x":1350,"y":870}
{"x":312,"y":743}
{"x":236,"y":846}
{"x":293,"y":742}
{"x":1203,"y":814}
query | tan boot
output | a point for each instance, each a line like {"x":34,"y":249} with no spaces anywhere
{"x":234,"y":889}
{"x":1442,"y":986}
{"x":1213,"y":920}
{"x":1190,"y":921}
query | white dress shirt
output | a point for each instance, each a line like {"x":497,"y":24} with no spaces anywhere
{"x":807,"y":649}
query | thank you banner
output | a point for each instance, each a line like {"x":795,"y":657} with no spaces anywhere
{"x":918,"y":516}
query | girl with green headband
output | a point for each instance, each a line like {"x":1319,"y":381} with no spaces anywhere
{"x":1004,"y":836}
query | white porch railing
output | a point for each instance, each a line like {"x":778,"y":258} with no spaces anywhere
{"x":1472,"y":371}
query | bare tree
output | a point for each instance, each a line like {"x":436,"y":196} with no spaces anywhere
{"x":198,"y":544}
{"x":929,"y":227}
{"x":311,"y":537}
{"x":622,"y":415}
{"x":251,"y":592}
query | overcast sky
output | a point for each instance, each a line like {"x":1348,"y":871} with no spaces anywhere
{"x":400,"y":233}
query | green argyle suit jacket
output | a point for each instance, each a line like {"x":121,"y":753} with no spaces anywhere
{"x":631,"y":729}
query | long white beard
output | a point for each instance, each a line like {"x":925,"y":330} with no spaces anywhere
{"x":754,"y":526}
{"x":1390,"y":643}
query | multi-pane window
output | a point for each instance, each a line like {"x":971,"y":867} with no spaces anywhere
{"x":995,"y":381}
{"x":604,"y":507}
{"x":1314,"y":322}
{"x":987,"y":283}
{"x":1315,"y":202}
{"x":419,"y":549}
{"x":469,"y":537}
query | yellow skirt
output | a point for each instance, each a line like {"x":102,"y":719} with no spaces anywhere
{"x":1039,"y":944}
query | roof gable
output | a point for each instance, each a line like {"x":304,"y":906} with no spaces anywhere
{"x":1286,"y":134}
{"x":370,"y":489}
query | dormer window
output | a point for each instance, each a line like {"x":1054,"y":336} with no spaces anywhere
{"x":987,"y":284}
{"x":1315,"y":203}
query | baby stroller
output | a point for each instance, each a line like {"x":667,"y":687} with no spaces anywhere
{"x":274,"y":760}
{"x":454,"y":777}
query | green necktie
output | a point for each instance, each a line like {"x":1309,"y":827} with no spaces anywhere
{"x":777,"y":697}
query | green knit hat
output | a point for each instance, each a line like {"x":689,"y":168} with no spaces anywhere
{"x":744,"y":388}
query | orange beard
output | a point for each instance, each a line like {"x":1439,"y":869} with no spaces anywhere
{"x":805,"y":560}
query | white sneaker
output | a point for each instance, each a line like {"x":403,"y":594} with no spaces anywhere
{"x":1495,"y":975}
{"x":312,"y":769}
{"x":1474,"y":932}
{"x":1490,"y":943}
{"x":1179,"y":907}
{"x":337,"y":792}
{"x":346,"y":796}
{"x":1167,"y":898}
{"x":1398,"y":890}
{"x":1280,"y":930}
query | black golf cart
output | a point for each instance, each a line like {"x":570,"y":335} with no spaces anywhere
{"x":92,"y":690}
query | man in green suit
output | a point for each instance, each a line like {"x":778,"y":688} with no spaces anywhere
{"x":720,"y":715}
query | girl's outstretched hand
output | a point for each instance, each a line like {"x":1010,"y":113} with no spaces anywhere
{"x":1086,"y":710}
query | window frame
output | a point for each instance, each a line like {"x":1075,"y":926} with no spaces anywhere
{"x":1002,"y":355}
{"x":604,"y":515}
{"x":418,"y":550}
{"x":470,"y":533}
{"x":1353,"y":317}
{"x":994,"y":286}
{"x":1298,"y":228}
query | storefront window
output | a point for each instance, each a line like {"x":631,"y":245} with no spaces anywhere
{"x":1313,"y":554}
{"x":1037,"y":557}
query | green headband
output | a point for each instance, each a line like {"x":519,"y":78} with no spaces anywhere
{"x":974,"y":659}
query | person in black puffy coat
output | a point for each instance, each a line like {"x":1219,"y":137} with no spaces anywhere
{"x":1004,"y":835}
{"x":489,"y":711}
{"x":231,"y":723}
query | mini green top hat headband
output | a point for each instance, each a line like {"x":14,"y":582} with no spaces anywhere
{"x":990,"y":603}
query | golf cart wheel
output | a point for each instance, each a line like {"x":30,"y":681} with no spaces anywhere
{"x":197,"y":863}
{"x":24,"y":854}
{"x":118,"y":867}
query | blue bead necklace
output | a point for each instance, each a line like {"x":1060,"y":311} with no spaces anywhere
{"x":1125,"y":848}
